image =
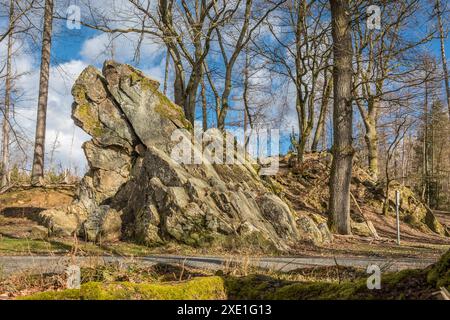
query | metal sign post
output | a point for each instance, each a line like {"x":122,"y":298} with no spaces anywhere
{"x":397,"y":209}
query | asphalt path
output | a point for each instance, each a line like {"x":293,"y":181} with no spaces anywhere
{"x":57,"y":264}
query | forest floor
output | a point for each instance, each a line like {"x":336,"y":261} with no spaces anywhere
{"x":20,"y":235}
{"x":178,"y":281}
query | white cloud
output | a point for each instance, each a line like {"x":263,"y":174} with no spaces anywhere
{"x":122,"y":48}
{"x":62,"y":77}
{"x":59,"y":122}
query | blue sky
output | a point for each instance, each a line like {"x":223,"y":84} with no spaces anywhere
{"x":72,"y":51}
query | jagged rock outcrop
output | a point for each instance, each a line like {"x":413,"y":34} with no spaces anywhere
{"x":135,"y":190}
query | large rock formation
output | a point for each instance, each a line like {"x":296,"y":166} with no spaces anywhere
{"x":135,"y":190}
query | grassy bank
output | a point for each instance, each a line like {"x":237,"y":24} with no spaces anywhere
{"x":406,"y":284}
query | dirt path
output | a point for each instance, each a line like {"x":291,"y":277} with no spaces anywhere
{"x":55,"y":264}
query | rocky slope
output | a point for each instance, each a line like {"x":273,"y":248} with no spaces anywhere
{"x":134,"y":189}
{"x":307,"y":189}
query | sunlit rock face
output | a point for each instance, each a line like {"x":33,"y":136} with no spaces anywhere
{"x":135,"y":190}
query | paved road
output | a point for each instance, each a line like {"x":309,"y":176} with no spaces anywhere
{"x":45,"y":264}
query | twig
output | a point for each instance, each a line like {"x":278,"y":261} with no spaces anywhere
{"x":357,"y":206}
{"x":362,"y":215}
{"x":5,"y":189}
{"x":337,"y":269}
{"x":182,"y":270}
{"x":445,"y":294}
{"x":288,"y":263}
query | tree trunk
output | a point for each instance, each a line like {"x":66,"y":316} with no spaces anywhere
{"x":166,"y":71}
{"x":444,"y":59}
{"x":425,"y":146}
{"x":301,"y":149}
{"x":189,"y":108}
{"x":301,"y":118}
{"x":191,"y":100}
{"x":245,"y":96}
{"x":323,"y":114}
{"x":371,"y":137}
{"x":213,"y":89}
{"x":204,"y":107}
{"x":37,"y":174}
{"x":341,"y":169}
{"x":178,"y":88}
{"x":6,"y":125}
{"x":386,"y":198}
{"x":225,"y":96}
{"x":304,"y":137}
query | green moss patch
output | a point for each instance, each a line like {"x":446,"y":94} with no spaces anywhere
{"x":208,"y":288}
{"x":93,"y":125}
{"x":406,"y":284}
{"x":166,"y":107}
{"x":258,"y":287}
{"x":10,"y":246}
{"x":72,"y":294}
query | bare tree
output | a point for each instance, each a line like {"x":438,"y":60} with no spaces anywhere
{"x":299,"y":51}
{"x":326,"y":93}
{"x":22,"y":8}
{"x":245,"y":34}
{"x":8,"y":86}
{"x":341,"y":169}
{"x":37,"y":174}
{"x":400,"y":128}
{"x":382,"y":66}
{"x":442,"y":38}
{"x":185,"y":27}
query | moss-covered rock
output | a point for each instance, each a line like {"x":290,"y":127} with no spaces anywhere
{"x":439,"y":274}
{"x":416,"y":213}
{"x":258,"y":287}
{"x":406,"y":284}
{"x":206,"y":288}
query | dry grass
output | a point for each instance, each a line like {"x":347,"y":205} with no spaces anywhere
{"x":26,"y":283}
